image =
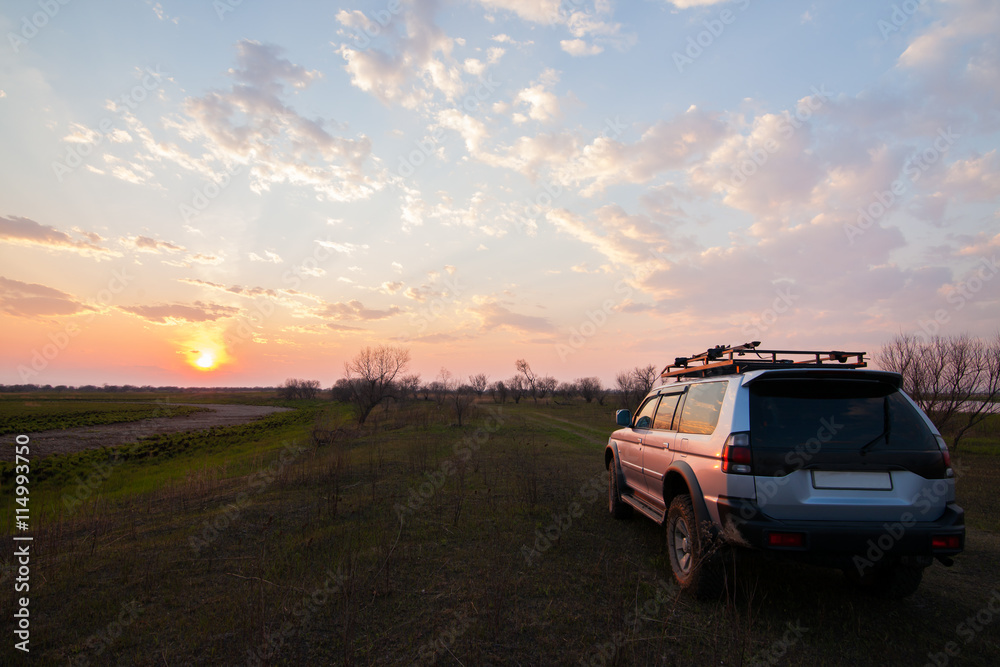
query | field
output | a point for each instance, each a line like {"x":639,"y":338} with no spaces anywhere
{"x":412,"y":540}
{"x":22,"y":414}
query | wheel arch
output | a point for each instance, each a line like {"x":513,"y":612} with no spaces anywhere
{"x":680,"y":479}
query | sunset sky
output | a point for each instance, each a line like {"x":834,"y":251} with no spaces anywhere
{"x":234,"y":193}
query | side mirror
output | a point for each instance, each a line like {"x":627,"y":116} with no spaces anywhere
{"x":623,"y":417}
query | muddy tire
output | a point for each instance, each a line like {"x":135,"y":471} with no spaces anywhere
{"x":697,"y":570}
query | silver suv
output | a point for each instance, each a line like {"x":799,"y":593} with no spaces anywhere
{"x":800,"y":454}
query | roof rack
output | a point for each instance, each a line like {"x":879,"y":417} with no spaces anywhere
{"x":723,"y":360}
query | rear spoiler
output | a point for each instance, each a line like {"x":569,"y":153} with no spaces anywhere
{"x":895,"y":380}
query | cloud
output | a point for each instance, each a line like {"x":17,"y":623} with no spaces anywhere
{"x":269,"y":257}
{"x":579,"y":48}
{"x":150,"y":245}
{"x":32,"y":300}
{"x":250,"y":123}
{"x":542,"y":104}
{"x":24,"y":231}
{"x":343,"y":248}
{"x":354,"y":310}
{"x":177,"y":313}
{"x":417,"y":65}
{"x":496,"y":316}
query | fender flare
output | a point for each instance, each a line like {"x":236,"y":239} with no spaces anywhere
{"x":615,"y":461}
{"x":697,"y":498}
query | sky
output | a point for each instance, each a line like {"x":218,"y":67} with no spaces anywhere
{"x":233,"y":193}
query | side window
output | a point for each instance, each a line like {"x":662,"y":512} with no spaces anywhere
{"x":664,"y":419}
{"x":702,"y":407}
{"x":644,"y":417}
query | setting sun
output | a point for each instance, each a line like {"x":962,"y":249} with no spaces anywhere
{"x":205,"y":361}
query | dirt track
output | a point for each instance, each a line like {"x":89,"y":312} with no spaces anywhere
{"x":64,"y":441}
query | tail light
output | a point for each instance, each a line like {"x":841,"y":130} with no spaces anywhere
{"x":946,"y":456}
{"x":946,"y":542}
{"x":791,"y":540}
{"x":736,"y":455}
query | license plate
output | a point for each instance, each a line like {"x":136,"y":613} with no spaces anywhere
{"x":836,"y":479}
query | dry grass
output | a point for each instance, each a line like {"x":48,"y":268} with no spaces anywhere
{"x":505,"y":555}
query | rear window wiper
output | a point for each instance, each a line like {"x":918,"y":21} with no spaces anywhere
{"x":886,"y":427}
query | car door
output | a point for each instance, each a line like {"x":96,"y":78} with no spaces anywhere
{"x":630,"y":444}
{"x":657,"y":446}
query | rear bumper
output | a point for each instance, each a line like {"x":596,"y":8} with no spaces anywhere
{"x":840,"y":544}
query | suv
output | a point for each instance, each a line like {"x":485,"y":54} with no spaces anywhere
{"x":798,"y":454}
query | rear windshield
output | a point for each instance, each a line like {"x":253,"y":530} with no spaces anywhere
{"x":842,"y":415}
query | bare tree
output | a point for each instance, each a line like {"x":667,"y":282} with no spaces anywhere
{"x":409,"y":385}
{"x":568,"y":389}
{"x":589,"y":388}
{"x":546,"y":386}
{"x":530,"y":381}
{"x":479,"y":383}
{"x":625,"y":381}
{"x":299,"y":389}
{"x":955,"y":380}
{"x":462,"y":401}
{"x":371,"y":375}
{"x":645,"y":377}
{"x":634,"y":384}
{"x":499,"y":392}
{"x":516,"y":387}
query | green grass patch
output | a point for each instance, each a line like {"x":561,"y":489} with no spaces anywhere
{"x":42,"y":414}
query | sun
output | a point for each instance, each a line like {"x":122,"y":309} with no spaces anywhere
{"x":205,"y":361}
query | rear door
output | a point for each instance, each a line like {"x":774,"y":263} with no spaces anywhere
{"x":854,"y":449}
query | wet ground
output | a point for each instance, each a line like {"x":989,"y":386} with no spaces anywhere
{"x":64,"y":441}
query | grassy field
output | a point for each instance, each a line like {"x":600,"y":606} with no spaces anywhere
{"x":412,"y":540}
{"x":29,"y":414}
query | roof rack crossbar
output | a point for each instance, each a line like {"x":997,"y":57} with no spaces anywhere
{"x":723,"y":360}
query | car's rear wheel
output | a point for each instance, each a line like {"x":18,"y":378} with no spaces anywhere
{"x":695,"y":567}
{"x":616,"y":506}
